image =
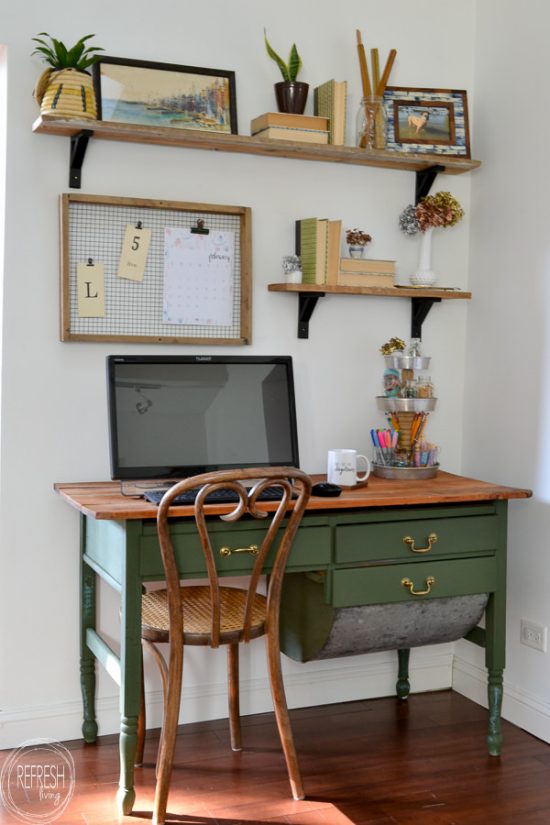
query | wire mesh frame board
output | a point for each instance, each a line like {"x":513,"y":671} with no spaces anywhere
{"x":93,"y":227}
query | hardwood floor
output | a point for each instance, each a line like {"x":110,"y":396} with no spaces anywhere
{"x":376,"y":762}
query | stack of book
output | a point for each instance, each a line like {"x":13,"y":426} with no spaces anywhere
{"x":285,"y":126}
{"x":318,"y":245}
{"x":329,"y":100}
{"x":366,"y":272}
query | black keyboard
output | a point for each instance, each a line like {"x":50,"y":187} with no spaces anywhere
{"x":221,"y":496}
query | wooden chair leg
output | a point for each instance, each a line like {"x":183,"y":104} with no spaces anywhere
{"x":174,"y":679}
{"x":233,"y":696}
{"x":282,"y":716}
{"x":141,"y":725}
{"x":163,"y":670}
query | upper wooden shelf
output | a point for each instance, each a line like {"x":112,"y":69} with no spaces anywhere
{"x":219,"y":142}
{"x":390,"y":291}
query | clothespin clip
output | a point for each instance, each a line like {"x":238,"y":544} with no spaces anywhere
{"x":200,"y":228}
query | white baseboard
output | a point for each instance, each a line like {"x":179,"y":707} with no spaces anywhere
{"x":520,"y":707}
{"x":315,"y":683}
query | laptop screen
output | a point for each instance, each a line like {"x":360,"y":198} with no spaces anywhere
{"x":175,"y":416}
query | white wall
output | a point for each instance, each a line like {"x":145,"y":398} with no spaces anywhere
{"x":54,"y":408}
{"x":506,"y":434}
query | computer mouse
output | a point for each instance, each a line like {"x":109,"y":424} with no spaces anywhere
{"x":324,"y":488}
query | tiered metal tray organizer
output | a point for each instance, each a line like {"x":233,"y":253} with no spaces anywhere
{"x":406,"y":409}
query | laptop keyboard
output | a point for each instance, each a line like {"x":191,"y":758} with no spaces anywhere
{"x":221,"y":496}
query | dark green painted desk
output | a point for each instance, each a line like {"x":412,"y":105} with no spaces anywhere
{"x":351,"y":547}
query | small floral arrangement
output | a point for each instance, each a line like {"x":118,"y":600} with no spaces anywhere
{"x":432,"y":211}
{"x":356,"y":237}
{"x":393,"y":345}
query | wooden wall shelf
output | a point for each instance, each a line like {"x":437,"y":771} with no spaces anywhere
{"x":422,"y":300}
{"x":80,"y":131}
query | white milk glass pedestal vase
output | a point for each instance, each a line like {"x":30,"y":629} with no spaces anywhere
{"x":424,"y":275}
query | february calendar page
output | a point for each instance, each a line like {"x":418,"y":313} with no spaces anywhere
{"x":198,"y":277}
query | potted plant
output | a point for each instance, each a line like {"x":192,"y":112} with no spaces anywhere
{"x":357,"y":241}
{"x":291,"y":94}
{"x":432,"y":211}
{"x":65,"y":88}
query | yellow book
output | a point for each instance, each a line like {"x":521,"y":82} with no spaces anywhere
{"x":381,"y":279}
{"x":366,"y":265}
{"x":333,"y":251}
{"x":288,"y":121}
{"x":299,"y":135}
{"x":329,"y":100}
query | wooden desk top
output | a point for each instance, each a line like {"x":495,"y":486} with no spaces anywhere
{"x":104,"y":500}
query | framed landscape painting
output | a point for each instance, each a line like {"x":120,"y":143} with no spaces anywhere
{"x":165,"y":94}
{"x":429,"y":121}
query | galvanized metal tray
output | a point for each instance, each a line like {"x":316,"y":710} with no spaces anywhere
{"x":407,"y":362}
{"x":405,"y":473}
{"x":391,"y":404}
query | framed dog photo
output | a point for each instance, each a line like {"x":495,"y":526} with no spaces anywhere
{"x":427,"y":121}
{"x":165,"y":94}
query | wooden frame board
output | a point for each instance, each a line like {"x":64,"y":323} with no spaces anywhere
{"x":92,"y":230}
{"x":433,"y":121}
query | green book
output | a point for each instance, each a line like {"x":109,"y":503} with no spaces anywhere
{"x":312,"y":246}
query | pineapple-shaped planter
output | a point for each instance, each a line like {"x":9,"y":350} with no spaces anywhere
{"x":66,"y":88}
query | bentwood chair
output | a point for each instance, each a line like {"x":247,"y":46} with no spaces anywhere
{"x":215,"y":615}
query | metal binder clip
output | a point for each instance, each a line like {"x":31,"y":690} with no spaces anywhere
{"x":139,"y":225}
{"x":90,"y":262}
{"x":200,"y":228}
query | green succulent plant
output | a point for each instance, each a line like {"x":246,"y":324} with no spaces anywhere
{"x":58,"y":56}
{"x":289,"y":70}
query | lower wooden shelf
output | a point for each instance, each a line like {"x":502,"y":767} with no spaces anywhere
{"x":422,"y":300}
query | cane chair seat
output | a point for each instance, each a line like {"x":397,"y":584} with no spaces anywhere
{"x":197,"y":615}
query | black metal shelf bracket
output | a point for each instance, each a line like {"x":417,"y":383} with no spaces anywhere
{"x":425,"y":179}
{"x":419,"y":311}
{"x":79,"y":144}
{"x":306,"y":304}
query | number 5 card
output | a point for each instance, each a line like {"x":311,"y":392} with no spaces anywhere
{"x":134,"y":253}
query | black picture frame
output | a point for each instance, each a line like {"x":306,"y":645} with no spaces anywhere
{"x":165,"y":94}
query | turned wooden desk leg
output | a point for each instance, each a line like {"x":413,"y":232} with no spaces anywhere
{"x":494,"y":690}
{"x":87,"y":658}
{"x":130,"y":671}
{"x":126,"y":794}
{"x":403,"y":686}
{"x":495,"y":638}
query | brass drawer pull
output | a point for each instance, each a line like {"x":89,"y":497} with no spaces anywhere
{"x":432,"y":538}
{"x":227,"y":551}
{"x":430,"y":581}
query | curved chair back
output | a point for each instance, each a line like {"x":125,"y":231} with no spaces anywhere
{"x":278,"y":536}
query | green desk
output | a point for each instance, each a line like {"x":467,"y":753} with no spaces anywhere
{"x":350,"y":551}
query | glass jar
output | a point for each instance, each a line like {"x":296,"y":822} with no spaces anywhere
{"x":415,"y":349}
{"x":424,"y":387}
{"x":371,"y":130}
{"x":410,"y":389}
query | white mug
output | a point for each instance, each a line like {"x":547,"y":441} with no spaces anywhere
{"x":342,"y":467}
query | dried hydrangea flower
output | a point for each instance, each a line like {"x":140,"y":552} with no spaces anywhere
{"x":408,"y":222}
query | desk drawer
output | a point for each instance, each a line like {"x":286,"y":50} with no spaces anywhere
{"x":468,"y":535}
{"x":374,"y":585}
{"x":311,"y":547}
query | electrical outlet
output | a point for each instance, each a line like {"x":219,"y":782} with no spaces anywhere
{"x":533,"y":635}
